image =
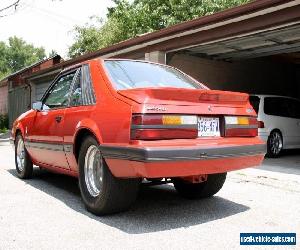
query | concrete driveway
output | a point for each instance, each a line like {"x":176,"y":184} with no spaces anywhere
{"x":47,"y":213}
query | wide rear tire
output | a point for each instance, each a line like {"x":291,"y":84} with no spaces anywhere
{"x":102,"y":193}
{"x":200,"y":190}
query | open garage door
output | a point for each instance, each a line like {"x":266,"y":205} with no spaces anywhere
{"x":262,"y":44}
{"x":267,"y":62}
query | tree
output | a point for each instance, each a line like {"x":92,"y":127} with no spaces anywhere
{"x":18,"y":54}
{"x":4,"y":69}
{"x":127,"y":20}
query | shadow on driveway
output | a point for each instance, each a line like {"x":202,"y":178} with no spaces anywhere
{"x":157,"y":208}
{"x":287,"y":163}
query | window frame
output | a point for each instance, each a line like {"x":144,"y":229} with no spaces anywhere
{"x":52,"y":85}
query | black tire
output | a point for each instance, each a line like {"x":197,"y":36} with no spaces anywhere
{"x":24,"y":169}
{"x":115,"y":195}
{"x":274,"y":144}
{"x":200,"y":190}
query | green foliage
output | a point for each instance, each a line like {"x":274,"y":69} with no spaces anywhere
{"x":52,"y":53}
{"x":3,"y":122}
{"x":18,"y":54}
{"x":127,"y":20}
{"x":4,"y":69}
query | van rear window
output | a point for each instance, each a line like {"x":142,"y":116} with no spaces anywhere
{"x":255,"y":100}
{"x":280,"y":106}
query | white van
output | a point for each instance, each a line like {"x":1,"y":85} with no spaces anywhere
{"x":279,"y":122}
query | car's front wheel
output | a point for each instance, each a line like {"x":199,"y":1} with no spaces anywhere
{"x":101,"y":192}
{"x":274,"y":144}
{"x":205,"y":189}
{"x":23,"y":162}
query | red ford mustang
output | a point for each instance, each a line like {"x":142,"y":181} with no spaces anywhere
{"x":113,"y":123}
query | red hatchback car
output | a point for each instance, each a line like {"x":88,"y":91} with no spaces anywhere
{"x":114,"y":123}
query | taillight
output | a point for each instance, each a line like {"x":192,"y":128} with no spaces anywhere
{"x":240,"y":126}
{"x":155,"y":127}
{"x":261,"y":124}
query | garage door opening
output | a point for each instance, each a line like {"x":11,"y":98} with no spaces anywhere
{"x":267,"y":62}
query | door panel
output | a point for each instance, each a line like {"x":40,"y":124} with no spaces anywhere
{"x":46,"y":138}
{"x":46,"y":144}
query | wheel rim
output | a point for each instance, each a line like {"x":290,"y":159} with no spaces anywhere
{"x":20,"y":155}
{"x":93,"y":170}
{"x":276,"y":143}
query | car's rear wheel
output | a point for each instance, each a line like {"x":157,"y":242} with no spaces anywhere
{"x":205,"y":189}
{"x":101,"y":192}
{"x":23,"y":162}
{"x":274,"y":144}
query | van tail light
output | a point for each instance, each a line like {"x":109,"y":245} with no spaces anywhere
{"x":261,"y":124}
{"x":241,"y":126}
{"x":157,"y":127}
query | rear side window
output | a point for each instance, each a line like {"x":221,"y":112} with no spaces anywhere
{"x":280,"y":106}
{"x":83,"y":91}
{"x":255,"y":100}
{"x":76,"y":96}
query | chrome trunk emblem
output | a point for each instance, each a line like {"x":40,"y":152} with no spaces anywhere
{"x":156,"y":108}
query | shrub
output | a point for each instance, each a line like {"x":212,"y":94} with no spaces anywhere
{"x":3,"y":122}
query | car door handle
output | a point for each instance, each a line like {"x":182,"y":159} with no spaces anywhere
{"x":58,"y":119}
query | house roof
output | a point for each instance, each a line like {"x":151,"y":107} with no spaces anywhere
{"x":5,"y":80}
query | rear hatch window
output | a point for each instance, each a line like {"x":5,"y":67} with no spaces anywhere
{"x":137,"y":74}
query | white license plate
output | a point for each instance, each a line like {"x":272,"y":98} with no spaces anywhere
{"x":208,"y":126}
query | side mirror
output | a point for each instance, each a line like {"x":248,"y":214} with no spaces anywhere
{"x":37,"y":106}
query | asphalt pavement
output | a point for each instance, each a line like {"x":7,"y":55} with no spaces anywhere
{"x":46,"y":212}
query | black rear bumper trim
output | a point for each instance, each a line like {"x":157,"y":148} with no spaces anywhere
{"x":149,"y":154}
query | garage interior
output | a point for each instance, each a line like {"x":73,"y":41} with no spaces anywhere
{"x":267,"y":62}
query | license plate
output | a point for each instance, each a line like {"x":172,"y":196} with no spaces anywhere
{"x":208,"y":126}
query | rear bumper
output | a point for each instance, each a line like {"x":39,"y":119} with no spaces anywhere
{"x":153,"y":162}
{"x":180,"y":154}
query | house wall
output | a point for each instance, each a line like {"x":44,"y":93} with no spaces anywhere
{"x":18,"y":102}
{"x":251,"y":76}
{"x":3,"y":99}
